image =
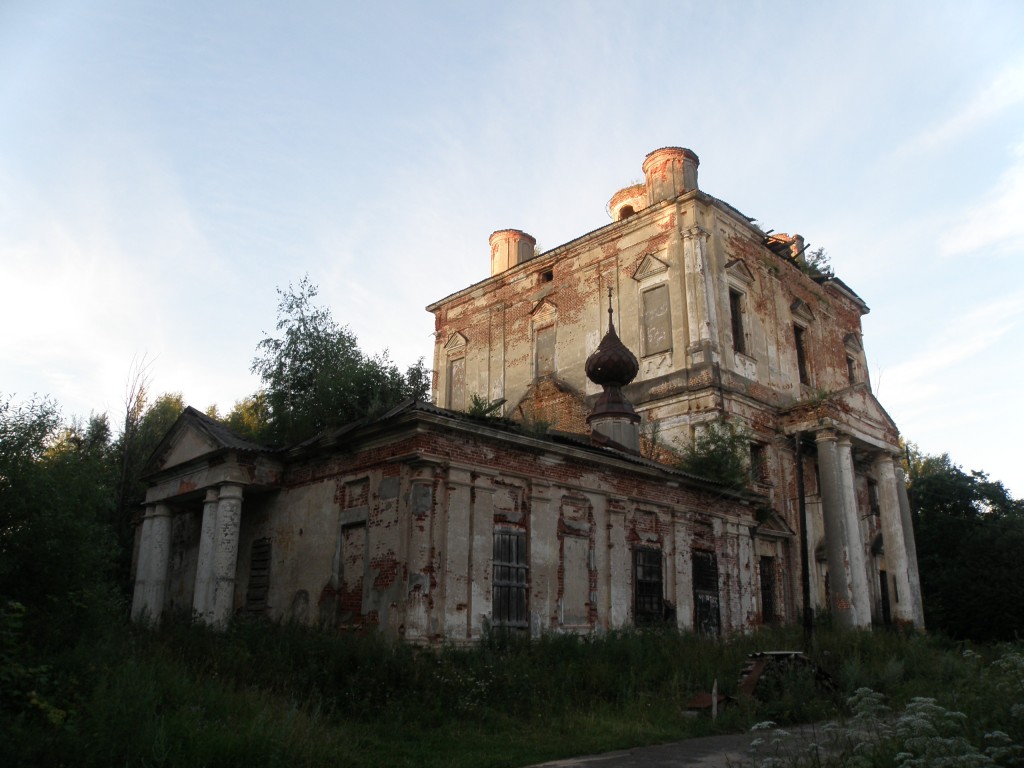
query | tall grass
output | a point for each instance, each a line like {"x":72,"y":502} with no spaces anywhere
{"x":260,"y":694}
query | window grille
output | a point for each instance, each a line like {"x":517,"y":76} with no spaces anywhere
{"x":510,"y":582}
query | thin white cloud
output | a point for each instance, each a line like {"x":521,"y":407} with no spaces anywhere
{"x":962,"y":337}
{"x":1004,"y":91}
{"x":997,"y":222}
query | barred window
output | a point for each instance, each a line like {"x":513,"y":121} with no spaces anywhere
{"x":510,"y":582}
{"x":707,"y":618}
{"x":648,"y":601}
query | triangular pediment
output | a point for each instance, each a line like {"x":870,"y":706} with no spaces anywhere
{"x":193,"y":436}
{"x":772,"y":525}
{"x":649,"y":266}
{"x":852,"y":343}
{"x":455,"y":341}
{"x":544,"y":310}
{"x":859,"y":400}
{"x":186,"y":444}
{"x":801,"y":311}
{"x":738,"y":270}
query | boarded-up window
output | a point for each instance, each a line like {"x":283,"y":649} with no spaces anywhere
{"x":259,"y":577}
{"x":545,"y":350}
{"x":657,"y":321}
{"x":739,"y":340}
{"x":457,"y":383}
{"x":648,"y":597}
{"x":511,"y":570}
{"x":576,"y":584}
{"x":769,"y":612}
{"x":706,"y":619}
{"x":353,"y":568}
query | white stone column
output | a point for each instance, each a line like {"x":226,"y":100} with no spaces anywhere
{"x":897,"y":565}
{"x":142,"y":566}
{"x":856,"y":546}
{"x":154,"y":566}
{"x":202,"y":597}
{"x":836,"y":539}
{"x":907,"y":523}
{"x":225,"y":553}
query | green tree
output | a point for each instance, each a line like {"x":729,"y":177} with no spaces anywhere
{"x":250,"y":417}
{"x":969,"y":532}
{"x":57,"y":491}
{"x":315,"y":376}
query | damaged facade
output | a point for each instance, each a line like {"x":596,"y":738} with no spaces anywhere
{"x":431,"y":525}
{"x":727,"y":321}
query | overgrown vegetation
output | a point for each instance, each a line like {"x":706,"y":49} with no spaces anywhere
{"x":720,"y":451}
{"x":817,"y":264}
{"x":261,"y":694}
{"x":482,"y":408}
{"x":980,"y":722}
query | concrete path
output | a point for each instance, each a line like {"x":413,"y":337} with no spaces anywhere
{"x":731,"y":751}
{"x":705,"y":752}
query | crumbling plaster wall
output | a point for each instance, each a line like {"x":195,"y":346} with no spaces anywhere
{"x":430,"y":525}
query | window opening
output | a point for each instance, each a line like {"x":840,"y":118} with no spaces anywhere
{"x":801,"y":354}
{"x":851,"y":370}
{"x":876,"y":507}
{"x":739,"y":342}
{"x":758,"y":463}
{"x":511,"y":570}
{"x":883,"y":585}
{"x":769,"y":612}
{"x":547,"y":275}
{"x":647,"y":586}
{"x":707,"y":617}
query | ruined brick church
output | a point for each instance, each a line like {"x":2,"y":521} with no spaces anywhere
{"x":564,"y":513}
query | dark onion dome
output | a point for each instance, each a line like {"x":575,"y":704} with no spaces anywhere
{"x":612,"y":364}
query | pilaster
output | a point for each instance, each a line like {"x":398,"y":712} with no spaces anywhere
{"x":702,"y":320}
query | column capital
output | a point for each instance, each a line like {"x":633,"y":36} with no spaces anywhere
{"x":158,"y":510}
{"x":211,"y":496}
{"x":844,"y":439}
{"x":823,"y":435}
{"x":229,"y":491}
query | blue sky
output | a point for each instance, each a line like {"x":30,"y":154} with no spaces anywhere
{"x":165,"y":166}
